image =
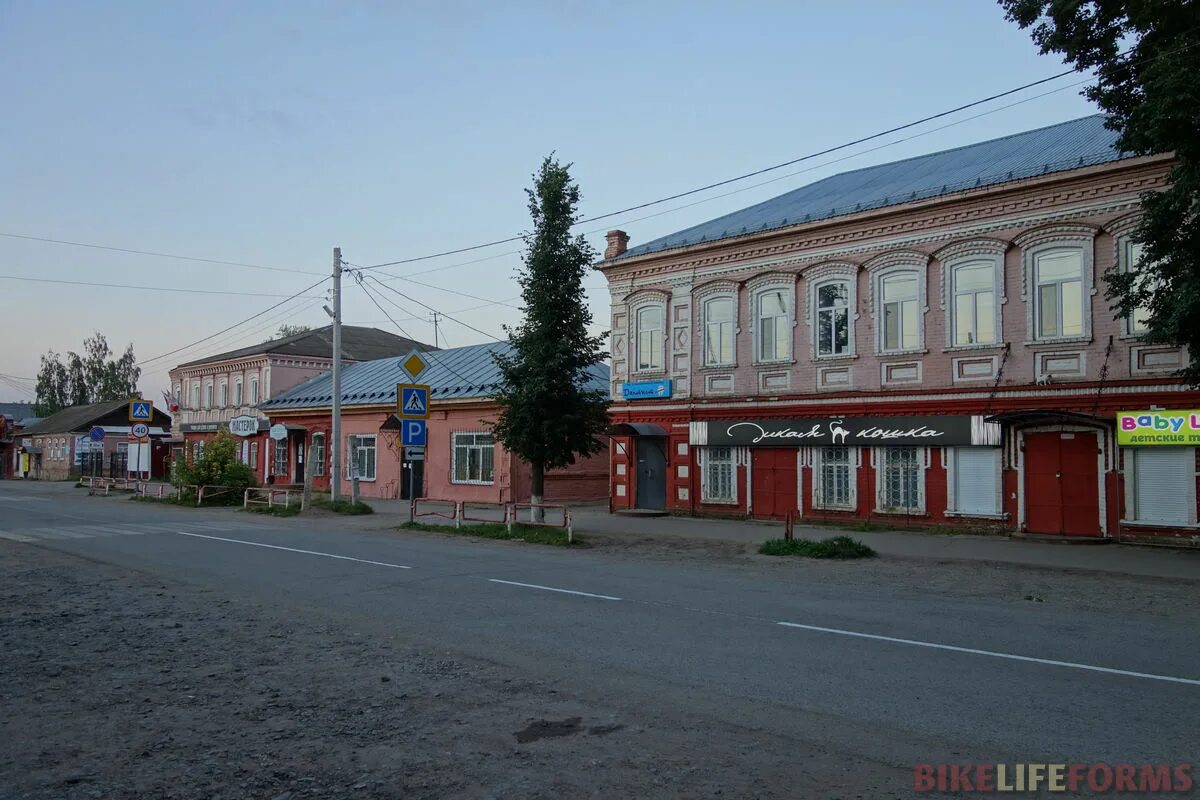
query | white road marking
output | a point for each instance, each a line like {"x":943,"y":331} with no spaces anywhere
{"x":16,"y":537}
{"x":295,"y":550}
{"x":993,"y":654}
{"x":20,"y":498}
{"x":552,"y":589}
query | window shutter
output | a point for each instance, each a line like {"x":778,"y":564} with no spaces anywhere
{"x":1162,"y":475}
{"x":976,"y":470}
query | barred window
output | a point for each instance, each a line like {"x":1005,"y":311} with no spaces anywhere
{"x":318,"y":443}
{"x":836,"y":474}
{"x":253,"y":462}
{"x":900,"y":479}
{"x":281,"y":459}
{"x":474,"y":457}
{"x":719,"y":485}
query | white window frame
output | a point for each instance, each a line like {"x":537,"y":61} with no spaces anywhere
{"x":253,"y":399}
{"x":208,"y":394}
{"x":848,"y":282}
{"x":950,"y":462}
{"x":237,"y":393}
{"x":920,"y":459}
{"x":223,"y":394}
{"x":757,"y":288}
{"x":1057,"y":237}
{"x":353,"y":444}
{"x":1126,"y":262}
{"x":472,"y":446}
{"x":706,"y":323}
{"x":195,"y":396}
{"x":815,"y":278}
{"x":253,"y":457}
{"x":704,"y":457}
{"x":853,"y":462}
{"x":318,"y":444}
{"x":178,"y":389}
{"x":878,"y":280}
{"x":657,"y":348}
{"x":1059,"y":294}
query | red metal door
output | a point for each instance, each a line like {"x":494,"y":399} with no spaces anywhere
{"x":1078,"y":454}
{"x":1061,"y":488}
{"x":773,"y":477}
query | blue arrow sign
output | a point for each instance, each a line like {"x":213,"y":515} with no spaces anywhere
{"x":413,"y":434}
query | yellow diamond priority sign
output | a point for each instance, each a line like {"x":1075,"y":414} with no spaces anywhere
{"x":414,"y":364}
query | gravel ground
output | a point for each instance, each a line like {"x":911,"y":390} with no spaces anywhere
{"x":116,"y":685}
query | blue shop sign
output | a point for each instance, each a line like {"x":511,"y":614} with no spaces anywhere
{"x":646,"y":390}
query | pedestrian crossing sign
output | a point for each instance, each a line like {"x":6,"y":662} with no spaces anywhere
{"x":412,"y":400}
{"x":141,"y":411}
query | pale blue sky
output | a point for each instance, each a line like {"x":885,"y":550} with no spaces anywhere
{"x":270,"y":132}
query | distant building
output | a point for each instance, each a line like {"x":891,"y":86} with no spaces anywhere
{"x":921,"y":342}
{"x":59,"y":446}
{"x":14,"y":417}
{"x":209,"y":393}
{"x":463,"y":461}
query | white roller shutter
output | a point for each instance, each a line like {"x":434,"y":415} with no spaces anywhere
{"x":1162,"y":475}
{"x":976,"y":480}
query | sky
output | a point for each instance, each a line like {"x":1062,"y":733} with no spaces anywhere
{"x":268,"y":133}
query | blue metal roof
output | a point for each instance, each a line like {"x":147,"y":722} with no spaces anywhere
{"x":1068,"y":145}
{"x":455,"y":374}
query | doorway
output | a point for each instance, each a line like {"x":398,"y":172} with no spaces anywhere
{"x":651,"y":472}
{"x":773,"y":480}
{"x":1062,"y":494}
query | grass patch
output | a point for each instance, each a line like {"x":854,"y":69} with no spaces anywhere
{"x":840,"y":547}
{"x":495,"y":530}
{"x":188,"y":500}
{"x":342,"y":506}
{"x":276,"y":511}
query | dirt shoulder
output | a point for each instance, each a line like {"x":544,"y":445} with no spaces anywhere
{"x":118,"y":685}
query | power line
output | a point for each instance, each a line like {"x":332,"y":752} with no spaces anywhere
{"x":744,"y":176}
{"x":158,"y":255}
{"x":429,"y":353}
{"x":253,"y":336}
{"x":138,"y":288}
{"x":231,"y":327}
{"x":431,"y":308}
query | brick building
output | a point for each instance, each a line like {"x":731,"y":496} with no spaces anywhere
{"x":59,"y":447}
{"x":208,"y":393}
{"x":462,"y":459}
{"x":925,"y":341}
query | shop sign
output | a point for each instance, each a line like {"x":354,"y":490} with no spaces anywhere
{"x":943,"y":431}
{"x":278,"y":432}
{"x":1145,"y":428}
{"x":646,"y":390}
{"x":243,"y":426}
{"x":200,"y":427}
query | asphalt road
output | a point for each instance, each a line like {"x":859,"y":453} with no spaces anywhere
{"x":832,"y":674}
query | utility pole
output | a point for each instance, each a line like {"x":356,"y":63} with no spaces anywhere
{"x":335,"y":453}
{"x":435,"y":329}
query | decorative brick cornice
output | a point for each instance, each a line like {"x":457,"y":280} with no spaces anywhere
{"x":972,"y":247}
{"x":1123,"y":224}
{"x":896,"y":257}
{"x":1057,"y":232}
{"x":717,"y":286}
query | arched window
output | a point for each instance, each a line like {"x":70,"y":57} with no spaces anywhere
{"x":973,"y":302}
{"x":650,"y":338}
{"x":774,"y":326}
{"x":833,"y":318}
{"x":900,"y":314}
{"x":718,"y":331}
{"x":1058,"y":299}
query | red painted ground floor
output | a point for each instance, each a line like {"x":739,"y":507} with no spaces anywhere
{"x":1039,"y":460}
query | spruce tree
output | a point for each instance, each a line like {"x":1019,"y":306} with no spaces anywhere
{"x":549,"y":416}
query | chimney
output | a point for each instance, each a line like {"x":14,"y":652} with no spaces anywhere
{"x":618,"y":243}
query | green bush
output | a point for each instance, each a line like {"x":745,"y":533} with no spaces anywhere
{"x":218,"y":465}
{"x":841,"y":547}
